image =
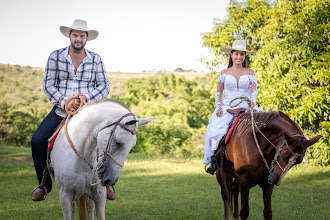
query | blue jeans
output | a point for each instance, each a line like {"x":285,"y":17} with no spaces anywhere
{"x":39,"y":143}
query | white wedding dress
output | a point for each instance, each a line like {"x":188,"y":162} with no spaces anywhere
{"x":231,"y":88}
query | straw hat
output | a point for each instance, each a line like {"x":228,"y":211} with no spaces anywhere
{"x":239,"y":45}
{"x":79,"y":25}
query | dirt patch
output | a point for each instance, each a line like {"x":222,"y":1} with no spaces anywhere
{"x":15,"y":160}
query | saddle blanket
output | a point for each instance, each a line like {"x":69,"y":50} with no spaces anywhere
{"x":232,"y":129}
{"x":51,"y":141}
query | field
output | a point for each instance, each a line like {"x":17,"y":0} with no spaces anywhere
{"x":163,"y":188}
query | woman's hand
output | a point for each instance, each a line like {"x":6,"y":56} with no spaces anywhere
{"x":219,"y":112}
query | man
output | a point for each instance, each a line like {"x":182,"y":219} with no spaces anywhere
{"x":70,"y":71}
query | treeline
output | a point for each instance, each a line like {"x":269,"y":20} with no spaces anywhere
{"x":182,"y":109}
{"x":291,"y":41}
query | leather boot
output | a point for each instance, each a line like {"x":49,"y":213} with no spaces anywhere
{"x":39,"y":193}
{"x":110,"y":194}
{"x":211,"y":168}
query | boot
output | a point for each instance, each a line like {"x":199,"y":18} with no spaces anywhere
{"x":39,"y":193}
{"x":110,"y":194}
{"x":211,"y":168}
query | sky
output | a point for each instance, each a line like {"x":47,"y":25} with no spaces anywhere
{"x":134,"y":35}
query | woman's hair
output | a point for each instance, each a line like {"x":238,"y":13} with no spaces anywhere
{"x":230,"y":64}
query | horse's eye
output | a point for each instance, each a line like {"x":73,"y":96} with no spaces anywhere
{"x":117,"y":142}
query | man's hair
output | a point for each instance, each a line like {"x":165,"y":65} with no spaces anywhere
{"x":85,"y":31}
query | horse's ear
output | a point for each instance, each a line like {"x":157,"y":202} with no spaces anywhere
{"x":313,"y":140}
{"x":143,"y":121}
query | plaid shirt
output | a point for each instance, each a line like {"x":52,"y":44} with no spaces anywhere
{"x":60,"y":82}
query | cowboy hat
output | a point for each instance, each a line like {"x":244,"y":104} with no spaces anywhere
{"x":79,"y":25}
{"x":239,"y":45}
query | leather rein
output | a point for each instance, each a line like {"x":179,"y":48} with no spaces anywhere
{"x":294,"y":157}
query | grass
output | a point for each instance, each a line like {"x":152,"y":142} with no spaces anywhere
{"x":163,"y":188}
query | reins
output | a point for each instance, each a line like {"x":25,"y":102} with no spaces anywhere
{"x":250,"y":103}
{"x":70,"y":114}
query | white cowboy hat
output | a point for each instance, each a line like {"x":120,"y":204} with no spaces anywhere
{"x":79,"y":25}
{"x":239,"y":45}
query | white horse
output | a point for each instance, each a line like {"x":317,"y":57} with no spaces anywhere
{"x":103,"y":132}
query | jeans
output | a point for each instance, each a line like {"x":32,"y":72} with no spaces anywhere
{"x":39,"y":143}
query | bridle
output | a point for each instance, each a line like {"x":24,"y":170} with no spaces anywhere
{"x":107,"y":150}
{"x":292,"y":159}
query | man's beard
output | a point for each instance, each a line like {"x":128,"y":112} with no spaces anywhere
{"x":78,"y":48}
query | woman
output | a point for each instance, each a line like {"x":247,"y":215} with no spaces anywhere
{"x":235,"y":81}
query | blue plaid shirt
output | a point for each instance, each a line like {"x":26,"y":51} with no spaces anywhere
{"x":60,"y":82}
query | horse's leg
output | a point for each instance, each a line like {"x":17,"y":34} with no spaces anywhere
{"x":99,"y":200}
{"x":222,"y":180}
{"x":245,"y":190}
{"x":267,"y":190}
{"x":67,"y":205}
{"x":235,"y":193}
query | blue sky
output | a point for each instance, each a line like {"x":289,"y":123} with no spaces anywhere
{"x":135,"y":35}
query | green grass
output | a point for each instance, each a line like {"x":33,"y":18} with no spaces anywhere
{"x":164,"y":188}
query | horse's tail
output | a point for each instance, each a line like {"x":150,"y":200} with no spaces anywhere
{"x":82,"y":207}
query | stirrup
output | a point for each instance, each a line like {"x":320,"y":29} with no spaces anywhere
{"x":41,"y":187}
{"x":209,"y":169}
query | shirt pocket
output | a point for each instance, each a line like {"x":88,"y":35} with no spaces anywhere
{"x":63,"y":71}
{"x":88,"y":73}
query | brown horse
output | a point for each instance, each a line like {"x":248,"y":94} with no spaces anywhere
{"x":259,"y":155}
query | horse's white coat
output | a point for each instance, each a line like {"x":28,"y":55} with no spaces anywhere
{"x":86,"y":130}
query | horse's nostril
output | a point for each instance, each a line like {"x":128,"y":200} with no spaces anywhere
{"x":269,"y":181}
{"x":106,"y":182}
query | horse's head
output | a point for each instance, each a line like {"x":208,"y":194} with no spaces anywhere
{"x":290,"y":150}
{"x":115,"y":141}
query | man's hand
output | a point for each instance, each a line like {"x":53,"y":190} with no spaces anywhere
{"x":74,"y":104}
{"x":83,"y":96}
{"x":219,"y":112}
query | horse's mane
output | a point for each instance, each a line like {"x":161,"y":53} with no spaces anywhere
{"x":261,"y":119}
{"x":94,"y":102}
{"x":292,"y":122}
